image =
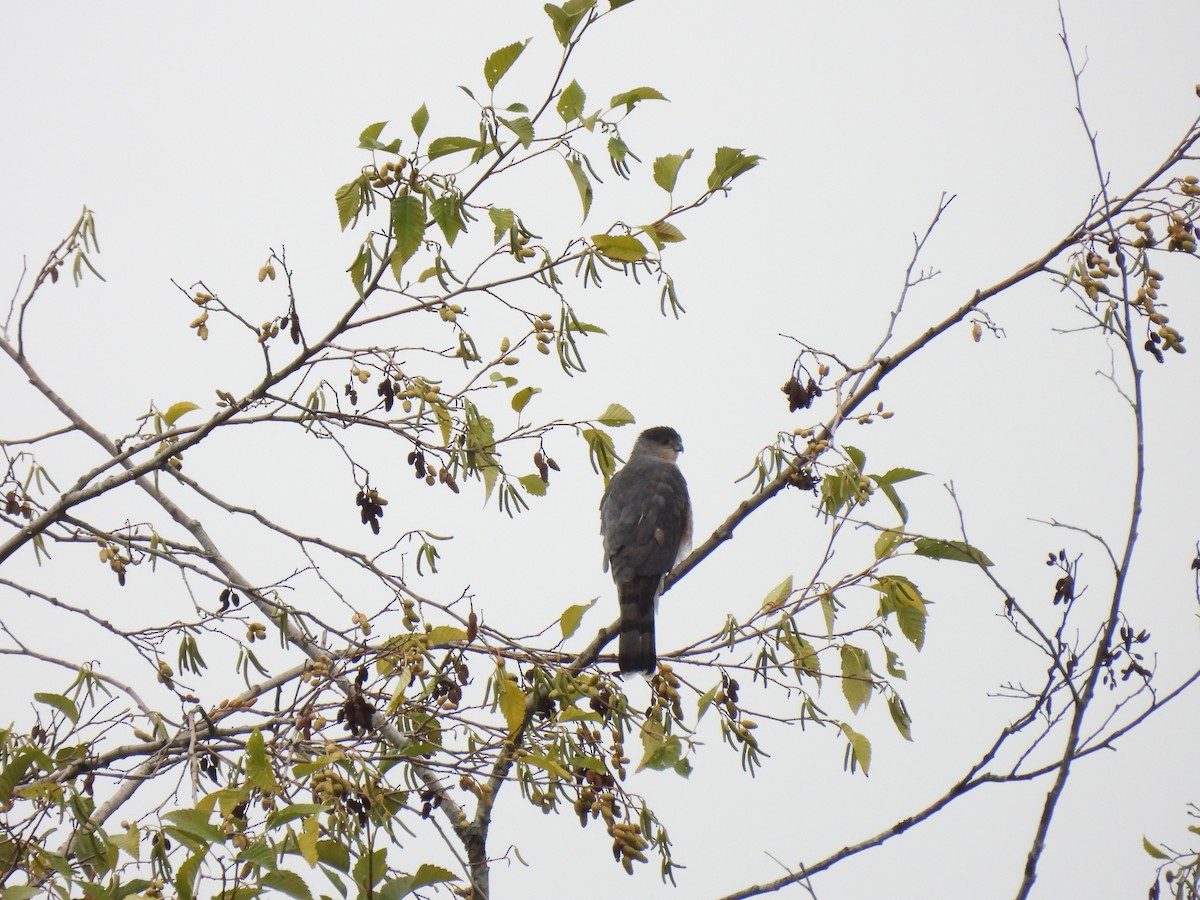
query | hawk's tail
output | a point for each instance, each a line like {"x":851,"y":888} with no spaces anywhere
{"x":635,"y":648}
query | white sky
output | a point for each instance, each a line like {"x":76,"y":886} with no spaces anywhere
{"x":203,"y":135}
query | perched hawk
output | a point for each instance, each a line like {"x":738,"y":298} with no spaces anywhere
{"x":646,"y":521}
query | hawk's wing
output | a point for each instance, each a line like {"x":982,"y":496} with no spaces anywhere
{"x":645,"y":519}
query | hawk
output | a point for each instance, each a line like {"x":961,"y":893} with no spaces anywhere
{"x":646,"y":523}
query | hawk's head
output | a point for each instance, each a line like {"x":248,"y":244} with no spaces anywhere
{"x":661,"y":441}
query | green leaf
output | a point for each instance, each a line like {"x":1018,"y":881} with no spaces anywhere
{"x":496,"y":65}
{"x":902,"y":597}
{"x":629,"y":98}
{"x":306,"y":840}
{"x":615,"y":416}
{"x":130,"y":841}
{"x":582,"y":184}
{"x":426,"y":875}
{"x":186,"y":875}
{"x":900,"y":716}
{"x":502,"y":221}
{"x":856,"y":456}
{"x":1152,"y":850}
{"x":177,"y":410}
{"x":288,"y":883}
{"x":261,"y":854}
{"x":570,"y":102}
{"x":602,"y":454}
{"x":778,"y":595}
{"x":660,"y":750}
{"x":666,"y":169}
{"x":829,"y":607}
{"x":533,"y":484}
{"x":444,"y":146}
{"x":621,"y":247}
{"x":334,"y":855}
{"x":893,"y":476}
{"x":860,"y":749}
{"x":368,"y":139}
{"x":14,"y":772}
{"x":958,"y":551}
{"x":547,"y":764}
{"x":512,"y":701}
{"x":419,"y":120}
{"x":856,"y":676}
{"x":522,"y":397}
{"x":584,"y":327}
{"x":805,"y":656}
{"x":447,"y":211}
{"x":886,"y":543}
{"x":444,"y":635}
{"x":663,"y":233}
{"x":290,"y":813}
{"x":572,"y":616}
{"x":566,"y":18}
{"x":890,"y":493}
{"x":59,"y":702}
{"x":894,"y":666}
{"x":490,"y":474}
{"x":349,"y":198}
{"x":522,"y":128}
{"x":729,"y":164}
{"x":408,"y":227}
{"x":258,"y":768}
{"x":706,"y":700}
{"x":370,"y":870}
{"x":194,"y":823}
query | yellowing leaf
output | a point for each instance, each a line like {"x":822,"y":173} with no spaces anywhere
{"x":1152,"y":850}
{"x":522,"y":128}
{"x":349,"y":199}
{"x":419,"y":120}
{"x":581,"y":184}
{"x":572,"y":616}
{"x":666,"y":169}
{"x":512,"y":701}
{"x":778,"y":595}
{"x":522,"y":397}
{"x":443,"y":635}
{"x":553,"y":766}
{"x":615,"y":416}
{"x":621,"y":247}
{"x":533,"y":484}
{"x":663,"y":233}
{"x":900,"y":716}
{"x":307,"y":840}
{"x":728,"y":164}
{"x":502,"y":221}
{"x":859,"y":751}
{"x":856,"y":676}
{"x":178,"y":410}
{"x":566,"y":18}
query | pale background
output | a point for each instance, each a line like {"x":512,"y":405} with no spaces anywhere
{"x":202,"y":135}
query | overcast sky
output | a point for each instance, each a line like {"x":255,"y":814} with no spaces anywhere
{"x":202,"y":135}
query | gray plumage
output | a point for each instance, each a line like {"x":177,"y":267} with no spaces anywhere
{"x":646,"y":523}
